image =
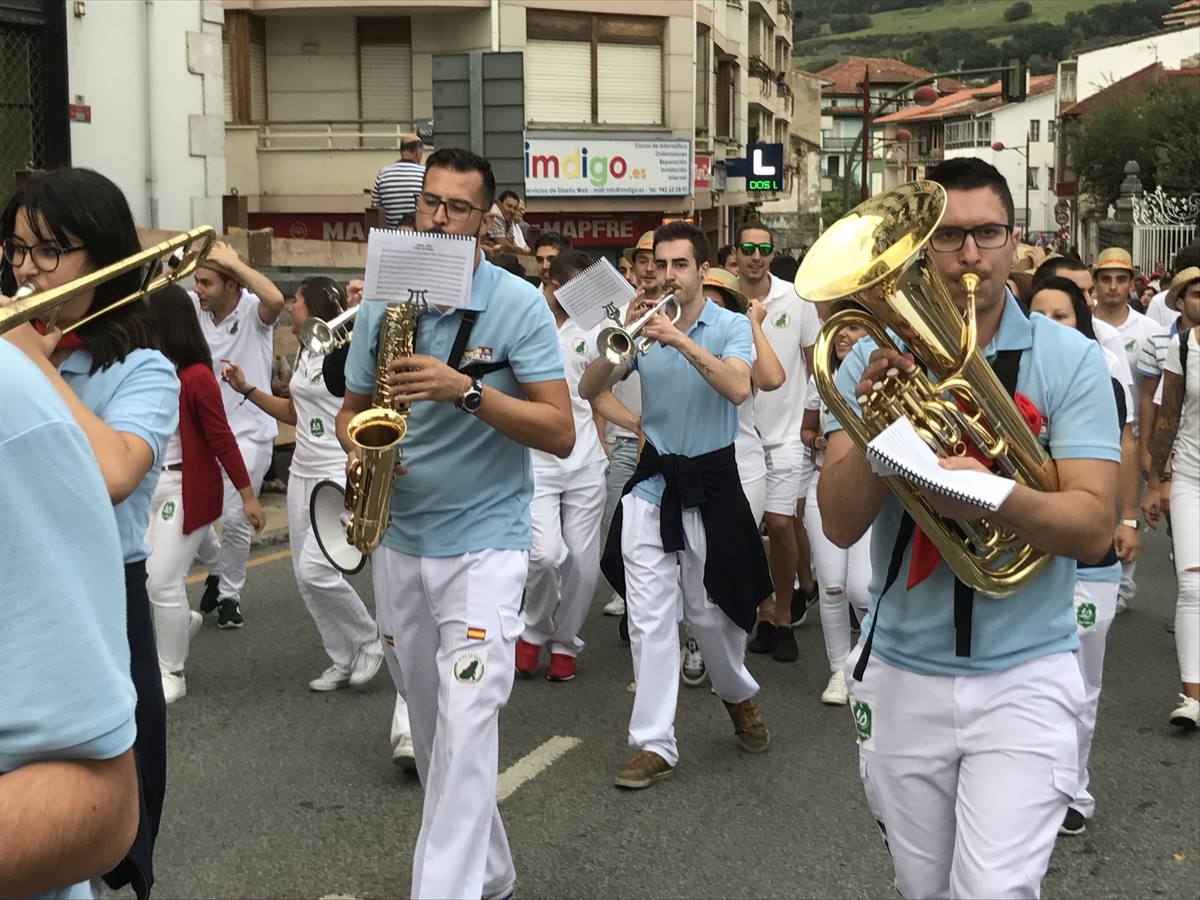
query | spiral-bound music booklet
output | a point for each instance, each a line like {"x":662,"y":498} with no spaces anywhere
{"x":899,"y":450}
{"x":416,"y":266}
{"x":588,"y":297}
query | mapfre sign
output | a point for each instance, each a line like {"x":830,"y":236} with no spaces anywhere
{"x":596,"y":229}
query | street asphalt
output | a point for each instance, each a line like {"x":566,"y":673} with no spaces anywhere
{"x":275,"y":791}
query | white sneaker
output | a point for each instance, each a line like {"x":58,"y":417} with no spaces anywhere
{"x":330,"y":680}
{"x":174,"y":687}
{"x":692,"y":669}
{"x":365,"y":667}
{"x":403,"y":754}
{"x":195,"y":621}
{"x":615,"y":606}
{"x":1187,"y":714}
{"x":1122,"y":605}
{"x":835,"y":693}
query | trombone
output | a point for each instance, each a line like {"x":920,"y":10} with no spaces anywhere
{"x":619,"y":344}
{"x":164,"y":264}
{"x":319,"y":337}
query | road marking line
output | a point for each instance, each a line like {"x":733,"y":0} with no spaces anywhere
{"x":533,"y":764}
{"x":257,"y":561}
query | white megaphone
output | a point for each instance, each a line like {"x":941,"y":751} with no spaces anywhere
{"x":328,"y":514}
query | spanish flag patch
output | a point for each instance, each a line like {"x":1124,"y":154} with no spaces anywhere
{"x":476,"y":634}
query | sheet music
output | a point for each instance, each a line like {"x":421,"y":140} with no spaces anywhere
{"x":588,"y":297}
{"x":899,"y":450}
{"x":419,"y":265}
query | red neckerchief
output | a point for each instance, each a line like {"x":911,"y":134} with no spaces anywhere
{"x":924,"y":558}
{"x":71,"y":342}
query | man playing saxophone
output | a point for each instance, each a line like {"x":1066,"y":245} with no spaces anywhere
{"x":449,"y":574}
{"x":966,"y":713}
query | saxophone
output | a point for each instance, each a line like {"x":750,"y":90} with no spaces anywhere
{"x":377,"y":433}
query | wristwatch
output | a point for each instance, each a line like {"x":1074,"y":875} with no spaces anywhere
{"x":1130,"y":523}
{"x":470,"y":399}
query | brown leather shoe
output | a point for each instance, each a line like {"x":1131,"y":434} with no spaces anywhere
{"x":643,"y":770}
{"x":748,"y":726}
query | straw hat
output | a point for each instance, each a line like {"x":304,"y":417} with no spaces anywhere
{"x":727,"y":282}
{"x":1114,"y":258}
{"x":645,"y":242}
{"x":1182,"y":279}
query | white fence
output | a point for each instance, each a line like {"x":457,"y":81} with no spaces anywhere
{"x":1155,"y":244}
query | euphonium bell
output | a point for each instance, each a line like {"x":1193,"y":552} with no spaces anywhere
{"x":873,"y":255}
{"x":618,"y":345}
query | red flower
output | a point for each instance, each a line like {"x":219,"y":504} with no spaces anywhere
{"x":1033,"y":418}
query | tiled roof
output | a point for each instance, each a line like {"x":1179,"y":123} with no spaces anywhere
{"x":1132,"y":85}
{"x":967,"y":100}
{"x":844,"y":76}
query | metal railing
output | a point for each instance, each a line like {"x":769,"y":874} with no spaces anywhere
{"x":348,"y":134}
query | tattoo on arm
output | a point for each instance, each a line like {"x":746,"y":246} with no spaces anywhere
{"x":1166,"y":423}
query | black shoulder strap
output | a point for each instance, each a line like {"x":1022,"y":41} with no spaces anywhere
{"x":903,"y":536}
{"x":1006,"y":366}
{"x":459,"y":347}
{"x":1184,"y":337}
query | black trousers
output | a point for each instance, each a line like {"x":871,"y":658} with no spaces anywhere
{"x":150,"y":747}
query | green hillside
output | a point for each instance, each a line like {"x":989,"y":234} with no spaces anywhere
{"x":968,"y":14}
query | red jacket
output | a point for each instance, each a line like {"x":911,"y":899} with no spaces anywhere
{"x":205,"y":437}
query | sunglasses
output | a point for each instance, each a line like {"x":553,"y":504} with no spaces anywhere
{"x":748,"y":247}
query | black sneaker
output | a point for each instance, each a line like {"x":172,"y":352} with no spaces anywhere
{"x":208,"y":602}
{"x":229,"y":614}
{"x":1073,"y":822}
{"x":802,"y":603}
{"x":785,"y":649}
{"x":764,"y":639}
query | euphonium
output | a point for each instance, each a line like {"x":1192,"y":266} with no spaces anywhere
{"x":377,"y":433}
{"x":618,"y":344}
{"x":873,"y":255}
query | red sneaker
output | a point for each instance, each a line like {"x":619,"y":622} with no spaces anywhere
{"x":562,"y":668}
{"x":527,"y":657}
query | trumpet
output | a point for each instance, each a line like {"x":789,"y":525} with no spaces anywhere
{"x":619,"y":344}
{"x":319,"y":337}
{"x":164,"y":264}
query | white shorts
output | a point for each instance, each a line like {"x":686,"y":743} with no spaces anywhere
{"x":787,"y":476}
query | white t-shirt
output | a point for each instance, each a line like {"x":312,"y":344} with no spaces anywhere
{"x":1187,"y":438}
{"x":791,"y":326}
{"x":318,"y":453}
{"x":1157,"y":310}
{"x":242,"y":337}
{"x":1134,"y":331}
{"x":1110,"y":339}
{"x":578,"y":349}
{"x":747,"y":443}
{"x":629,"y":391}
{"x":1115,"y":371}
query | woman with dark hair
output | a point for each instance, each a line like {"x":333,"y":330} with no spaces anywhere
{"x":1096,"y":585}
{"x":348,"y":631}
{"x":189,"y":494}
{"x":57,"y":227}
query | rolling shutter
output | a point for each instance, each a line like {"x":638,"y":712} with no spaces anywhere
{"x":258,"y":81}
{"x":385,"y":73}
{"x":558,"y":81}
{"x":630,"y":88}
{"x":227,"y":78}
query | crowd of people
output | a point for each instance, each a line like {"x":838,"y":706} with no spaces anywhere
{"x":705,"y":479}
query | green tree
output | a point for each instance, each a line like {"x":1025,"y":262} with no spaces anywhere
{"x":1159,"y":130}
{"x":833,"y":201}
{"x":1019,"y":10}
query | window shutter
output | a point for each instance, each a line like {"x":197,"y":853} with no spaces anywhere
{"x":385,"y":73}
{"x":630,"y":84}
{"x":227,"y":77}
{"x":258,"y":82}
{"x":558,"y":81}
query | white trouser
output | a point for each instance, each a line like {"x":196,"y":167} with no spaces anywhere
{"x":844,"y":575}
{"x":662,"y":588}
{"x":969,"y":777}
{"x":1185,"y":528}
{"x":564,"y":561}
{"x":171,"y":553}
{"x":226,"y":557}
{"x":346,"y":627}
{"x":1128,"y":588}
{"x":455,"y":686}
{"x":1095,"y":607}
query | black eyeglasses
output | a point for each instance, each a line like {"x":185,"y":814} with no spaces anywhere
{"x":990,"y":236}
{"x":456,"y":210}
{"x":46,"y":256}
{"x":748,"y":248}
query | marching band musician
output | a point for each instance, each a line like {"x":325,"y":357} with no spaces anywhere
{"x":57,"y":227}
{"x":449,"y":575}
{"x":685,"y":496}
{"x":967,"y":736}
{"x":348,"y":632}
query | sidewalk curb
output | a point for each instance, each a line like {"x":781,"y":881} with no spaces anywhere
{"x":272,"y":538}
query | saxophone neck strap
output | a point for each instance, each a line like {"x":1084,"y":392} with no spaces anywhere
{"x":459,"y":347}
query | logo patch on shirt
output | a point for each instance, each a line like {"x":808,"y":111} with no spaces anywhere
{"x":476,"y":634}
{"x":316,"y":379}
{"x":477,"y":354}
{"x":581,"y":348}
{"x":1129,"y":345}
{"x":233,"y":329}
{"x":863,"y":720}
{"x":168,"y":511}
{"x":468,"y":668}
{"x":317,"y":427}
{"x":782,"y":321}
{"x":1085,"y":615}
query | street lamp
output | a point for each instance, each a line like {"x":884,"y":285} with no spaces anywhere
{"x":999,"y":147}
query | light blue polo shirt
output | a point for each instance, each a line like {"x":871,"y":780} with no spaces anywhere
{"x":1064,"y":375}
{"x":468,"y":487}
{"x":681,"y":412}
{"x":64,"y":656}
{"x":140,"y":396}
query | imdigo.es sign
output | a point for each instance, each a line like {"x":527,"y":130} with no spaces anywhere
{"x":606,"y":168}
{"x":596,"y":229}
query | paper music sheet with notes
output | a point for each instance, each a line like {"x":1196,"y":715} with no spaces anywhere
{"x":899,"y":450}
{"x":407,"y":266}
{"x":588,"y":296}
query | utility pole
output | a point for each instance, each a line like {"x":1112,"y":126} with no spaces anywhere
{"x":866,"y":128}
